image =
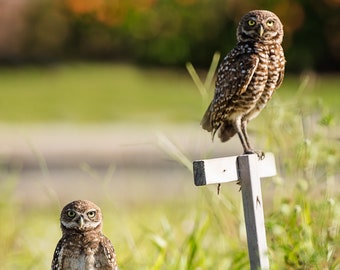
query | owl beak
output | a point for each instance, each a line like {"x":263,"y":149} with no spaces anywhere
{"x":261,"y":30}
{"x":81,"y":222}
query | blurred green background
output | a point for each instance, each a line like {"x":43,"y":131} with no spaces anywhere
{"x":96,"y":103}
{"x":153,"y":32}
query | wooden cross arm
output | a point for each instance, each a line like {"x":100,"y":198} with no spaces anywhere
{"x":223,"y":170}
{"x":249,"y":170}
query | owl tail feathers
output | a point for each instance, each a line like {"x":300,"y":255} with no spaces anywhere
{"x":226,"y":131}
{"x":206,"y":120}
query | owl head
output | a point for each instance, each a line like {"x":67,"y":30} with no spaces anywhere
{"x":260,"y":25}
{"x":81,"y":215}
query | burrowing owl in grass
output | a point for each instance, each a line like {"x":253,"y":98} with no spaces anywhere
{"x":83,"y":245}
{"x":247,"y":77}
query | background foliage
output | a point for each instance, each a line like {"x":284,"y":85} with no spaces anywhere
{"x":161,"y":32}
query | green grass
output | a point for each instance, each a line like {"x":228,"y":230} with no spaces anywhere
{"x":204,"y":233}
{"x":85,"y":93}
{"x":302,"y":209}
{"x":95,"y":93}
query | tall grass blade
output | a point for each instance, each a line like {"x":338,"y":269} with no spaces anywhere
{"x":212,"y":70}
{"x":172,"y":150}
{"x":200,"y":86}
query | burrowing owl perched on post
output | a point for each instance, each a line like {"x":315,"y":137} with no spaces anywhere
{"x":83,"y":245}
{"x":247,"y":77}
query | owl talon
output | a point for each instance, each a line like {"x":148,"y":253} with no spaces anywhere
{"x":261,"y":155}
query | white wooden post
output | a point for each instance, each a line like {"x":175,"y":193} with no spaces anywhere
{"x":248,"y":169}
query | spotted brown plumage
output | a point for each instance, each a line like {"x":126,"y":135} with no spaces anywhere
{"x":83,"y":245}
{"x":247,"y":77}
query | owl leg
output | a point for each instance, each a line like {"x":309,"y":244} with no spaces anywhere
{"x":246,"y":137}
{"x":249,"y":149}
{"x":243,"y":136}
{"x":241,"y":127}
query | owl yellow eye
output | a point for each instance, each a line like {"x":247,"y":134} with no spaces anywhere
{"x":91,"y":214}
{"x":270,"y":23}
{"x":251,"y":22}
{"x":70,"y":213}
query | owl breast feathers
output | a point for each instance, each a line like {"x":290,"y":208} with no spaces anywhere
{"x":247,"y":77}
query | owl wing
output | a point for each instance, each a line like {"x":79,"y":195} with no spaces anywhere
{"x":282,"y":69}
{"x":233,"y":78}
{"x":57,"y":257}
{"x":109,"y":252}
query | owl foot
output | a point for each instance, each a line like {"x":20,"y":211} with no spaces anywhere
{"x":259,"y":154}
